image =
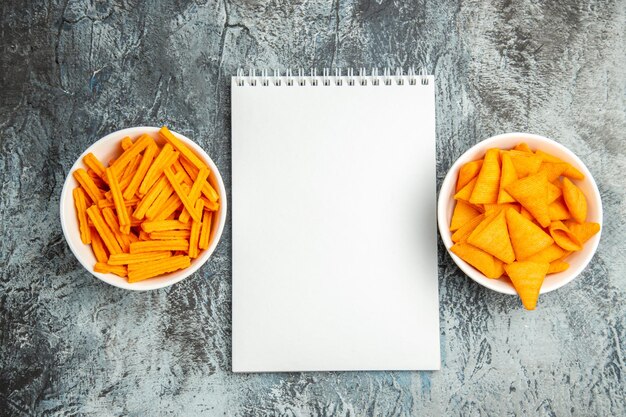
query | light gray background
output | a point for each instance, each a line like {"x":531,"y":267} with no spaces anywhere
{"x":73,"y":71}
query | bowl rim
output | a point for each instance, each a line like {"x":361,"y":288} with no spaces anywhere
{"x":198,"y":262}
{"x":443,"y":202}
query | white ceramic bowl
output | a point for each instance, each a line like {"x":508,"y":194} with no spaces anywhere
{"x":109,"y":147}
{"x":578,"y":260}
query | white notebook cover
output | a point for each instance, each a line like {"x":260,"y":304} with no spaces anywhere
{"x":334,"y":227}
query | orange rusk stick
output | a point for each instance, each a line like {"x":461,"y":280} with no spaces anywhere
{"x":161,"y":225}
{"x":154,"y":172}
{"x":129,"y":172}
{"x":80,"y":202}
{"x":130,"y":153}
{"x":181,"y":147}
{"x":103,"y":230}
{"x":111,"y":221}
{"x":207,"y":188}
{"x":94,"y":163}
{"x":133,"y":258}
{"x":195,"y":231}
{"x":194,"y":194}
{"x":97,"y":246}
{"x":170,"y":235}
{"x":143,"y":167}
{"x":205,"y":232}
{"x":170,"y":207}
{"x":110,"y":269}
{"x":143,"y":236}
{"x":181,"y":194}
{"x":160,"y":201}
{"x":88,"y":185}
{"x":147,"y":270}
{"x":148,"y":199}
{"x":132,"y":237}
{"x":209,"y":205}
{"x":158,"y":245}
{"x":116,"y":192}
{"x":96,"y":179}
{"x":108,"y":203}
{"x":126,"y":143}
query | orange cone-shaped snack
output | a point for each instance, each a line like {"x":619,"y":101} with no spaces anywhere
{"x":583,"y":231}
{"x":532,"y":193}
{"x":564,"y":237}
{"x":557,"y":266}
{"x":488,"y":183}
{"x":466,"y":192}
{"x":553,"y":169}
{"x":557,"y":210}
{"x":463,"y":213}
{"x":525,"y":163}
{"x":575,"y":201}
{"x":479,"y":259}
{"x":464,"y":231}
{"x":527,"y":278}
{"x":526,"y":237}
{"x":508,"y":176}
{"x":494,"y":239}
{"x":570,"y":172}
{"x":523,"y":146}
{"x":467,"y":173}
{"x":549,"y":254}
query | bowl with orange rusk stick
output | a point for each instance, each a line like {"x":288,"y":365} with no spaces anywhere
{"x":520,"y":214}
{"x":143,"y":208}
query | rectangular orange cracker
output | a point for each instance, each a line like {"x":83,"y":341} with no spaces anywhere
{"x":207,"y":189}
{"x":94,"y":164}
{"x":120,"y":208}
{"x":133,"y":258}
{"x":182,"y":148}
{"x":170,"y":235}
{"x":147,"y":270}
{"x":110,"y":269}
{"x":194,"y":236}
{"x":181,"y":194}
{"x":159,"y":245}
{"x":103,"y":230}
{"x":97,"y":246}
{"x":215,"y":206}
{"x":194,"y":193}
{"x":129,"y":154}
{"x":80,"y":202}
{"x":142,"y":169}
{"x":88,"y":185}
{"x":163,"y":225}
{"x":205,"y":231}
{"x":155,"y":169}
{"x":112,"y":221}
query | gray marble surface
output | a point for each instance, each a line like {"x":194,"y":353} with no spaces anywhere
{"x":73,"y":70}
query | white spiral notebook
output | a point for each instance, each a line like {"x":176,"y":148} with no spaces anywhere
{"x":334,"y":225}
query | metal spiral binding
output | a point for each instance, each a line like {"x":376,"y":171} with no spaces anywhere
{"x":301,"y":79}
